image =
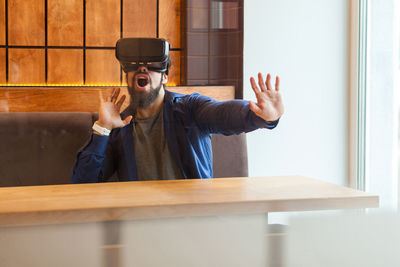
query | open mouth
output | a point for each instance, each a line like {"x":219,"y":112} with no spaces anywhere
{"x":142,"y":80}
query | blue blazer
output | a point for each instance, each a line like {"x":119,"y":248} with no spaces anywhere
{"x":189,"y":121}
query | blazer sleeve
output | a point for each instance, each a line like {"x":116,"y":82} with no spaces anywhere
{"x":225,"y":117}
{"x":94,"y":162}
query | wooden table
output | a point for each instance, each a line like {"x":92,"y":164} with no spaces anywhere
{"x":209,"y":222}
{"x":178,"y":198}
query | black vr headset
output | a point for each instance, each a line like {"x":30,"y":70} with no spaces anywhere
{"x":150,"y":52}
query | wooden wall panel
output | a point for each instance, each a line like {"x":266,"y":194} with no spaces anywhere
{"x":170,"y":21}
{"x":26,"y":22}
{"x":124,"y":83}
{"x":2,"y":23}
{"x":213,"y":43}
{"x":174,"y":75}
{"x":103,"y":19}
{"x":102,"y":67}
{"x":84,"y":99}
{"x":65,"y":22}
{"x":49,"y":99}
{"x":26,"y":66}
{"x":140,"y":18}
{"x":65,"y":66}
{"x":2,"y":65}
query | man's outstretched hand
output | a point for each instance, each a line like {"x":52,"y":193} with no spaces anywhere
{"x":269,"y":104}
{"x":109,"y":112}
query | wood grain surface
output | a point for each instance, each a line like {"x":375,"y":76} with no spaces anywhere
{"x":140,"y":18}
{"x":65,"y":66}
{"x":174,"y":76}
{"x":26,"y":66}
{"x":65,"y":23}
{"x":26,"y":22}
{"x":2,"y":65}
{"x":103,"y":25}
{"x":102,"y":67}
{"x":173,"y":198}
{"x":2,"y":22}
{"x":102,"y":22}
{"x":170,"y":21}
{"x":83,"y":99}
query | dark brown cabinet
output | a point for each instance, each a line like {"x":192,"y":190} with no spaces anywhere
{"x":213,"y":42}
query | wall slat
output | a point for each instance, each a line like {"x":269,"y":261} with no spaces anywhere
{"x":65,"y":23}
{"x":140,"y":18}
{"x":2,"y":65}
{"x":84,"y":99}
{"x":26,"y":22}
{"x":174,"y":75}
{"x":26,"y":66}
{"x":102,"y":22}
{"x":170,"y":21}
{"x":2,"y":22}
{"x":65,"y":66}
{"x":102,"y":67}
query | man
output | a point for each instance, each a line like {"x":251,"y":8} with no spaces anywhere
{"x":165,"y":135}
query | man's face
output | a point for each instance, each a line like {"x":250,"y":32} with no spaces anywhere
{"x":144,"y":86}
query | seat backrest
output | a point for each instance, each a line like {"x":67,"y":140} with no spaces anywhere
{"x":229,"y":155}
{"x":39,"y":148}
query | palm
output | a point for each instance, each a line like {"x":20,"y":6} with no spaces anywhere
{"x":109,"y":112}
{"x":269,"y":104}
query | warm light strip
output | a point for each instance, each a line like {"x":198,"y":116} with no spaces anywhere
{"x":66,"y":85}
{"x":58,"y":85}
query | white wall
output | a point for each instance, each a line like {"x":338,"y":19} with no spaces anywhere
{"x":306,"y":43}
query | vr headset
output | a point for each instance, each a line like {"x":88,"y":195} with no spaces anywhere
{"x":150,"y":52}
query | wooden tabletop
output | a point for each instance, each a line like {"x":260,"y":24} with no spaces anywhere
{"x":56,"y":204}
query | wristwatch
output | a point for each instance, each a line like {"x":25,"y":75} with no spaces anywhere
{"x":101,"y":130}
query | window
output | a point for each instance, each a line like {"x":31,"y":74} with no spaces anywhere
{"x":378,"y":110}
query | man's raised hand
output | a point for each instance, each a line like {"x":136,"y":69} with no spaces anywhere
{"x":109,"y":112}
{"x":269,"y":104}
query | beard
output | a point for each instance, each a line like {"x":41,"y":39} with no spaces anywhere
{"x":143,"y":99}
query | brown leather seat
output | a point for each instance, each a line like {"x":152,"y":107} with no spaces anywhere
{"x":229,"y":156}
{"x":39,"y":148}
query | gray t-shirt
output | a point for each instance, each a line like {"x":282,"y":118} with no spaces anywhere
{"x":154,"y":160}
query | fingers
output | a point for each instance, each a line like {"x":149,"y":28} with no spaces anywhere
{"x":268,"y":82}
{"x":254,"y":108}
{"x":127,"y":120}
{"x":254,"y":86}
{"x":261,"y":82}
{"x":120,"y":102}
{"x":277,"y":80}
{"x":114,"y":95}
{"x":109,"y":99}
{"x":263,"y":87}
{"x":101,"y":97}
